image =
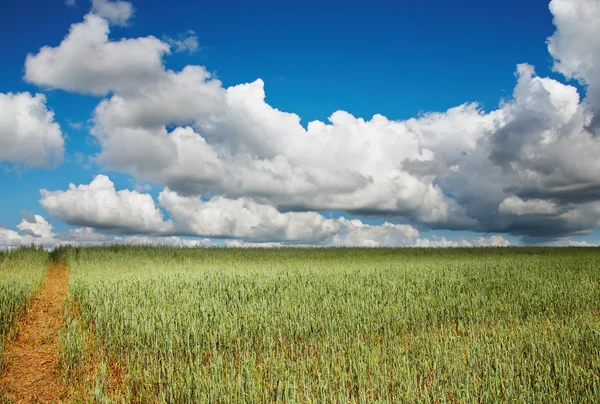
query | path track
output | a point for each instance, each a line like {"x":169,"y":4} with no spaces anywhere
{"x":31,"y":375}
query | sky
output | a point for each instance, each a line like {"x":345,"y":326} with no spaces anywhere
{"x":269,"y":123}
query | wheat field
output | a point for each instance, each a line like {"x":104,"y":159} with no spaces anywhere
{"x":176,"y":325}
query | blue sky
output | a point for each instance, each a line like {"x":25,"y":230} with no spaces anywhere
{"x":392,"y":58}
{"x":401,"y":60}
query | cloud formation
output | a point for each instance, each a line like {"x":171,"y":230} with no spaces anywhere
{"x":99,"y":205}
{"x":575,"y":47}
{"x":235,"y":166}
{"x":34,"y":229}
{"x":28,"y":133}
{"x":87,"y":62}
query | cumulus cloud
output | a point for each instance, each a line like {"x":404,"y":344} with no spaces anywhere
{"x":528,"y":167}
{"x":28,"y":133}
{"x":83,"y":235}
{"x":268,"y":156}
{"x":442,"y":242}
{"x":535,"y":173}
{"x":575,"y":47}
{"x":100,"y":205}
{"x":242,"y":218}
{"x":87,"y":62}
{"x":356,"y":233}
{"x":36,"y":230}
{"x":238,"y":145}
{"x":33,"y":229}
{"x":399,"y":169}
{"x":492,"y":241}
{"x":10,"y":238}
{"x":516,"y":206}
{"x":35,"y":226}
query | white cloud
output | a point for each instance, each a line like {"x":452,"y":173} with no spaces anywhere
{"x":32,"y":230}
{"x":538,"y":158}
{"x":35,"y":226}
{"x":402,"y":169}
{"x":176,"y":98}
{"x":116,"y":12}
{"x":83,"y":236}
{"x":36,"y":230}
{"x":441,"y":242}
{"x":10,"y":238}
{"x":575,"y":46}
{"x":281,"y":164}
{"x":247,"y":148}
{"x":247,"y":220}
{"x":356,"y":233}
{"x":100,"y":205}
{"x":28,"y":133}
{"x":492,"y":241}
{"x":516,"y":206}
{"x":87,"y":62}
{"x":242,"y":218}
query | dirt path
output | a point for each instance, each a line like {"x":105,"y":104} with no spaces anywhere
{"x":31,"y":374}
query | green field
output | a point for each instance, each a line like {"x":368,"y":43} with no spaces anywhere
{"x":173,"y":325}
{"x":178,"y":325}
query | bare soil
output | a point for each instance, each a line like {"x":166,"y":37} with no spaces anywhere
{"x":31,"y":374}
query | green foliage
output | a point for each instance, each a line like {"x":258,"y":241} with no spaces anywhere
{"x":21,"y":273}
{"x":339,"y":325}
{"x":72,"y":353}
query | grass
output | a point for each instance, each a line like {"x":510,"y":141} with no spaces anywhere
{"x":21,"y":273}
{"x":147,"y":324}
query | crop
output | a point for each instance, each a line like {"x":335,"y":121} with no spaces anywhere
{"x":148,"y":324}
{"x":21,"y":273}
